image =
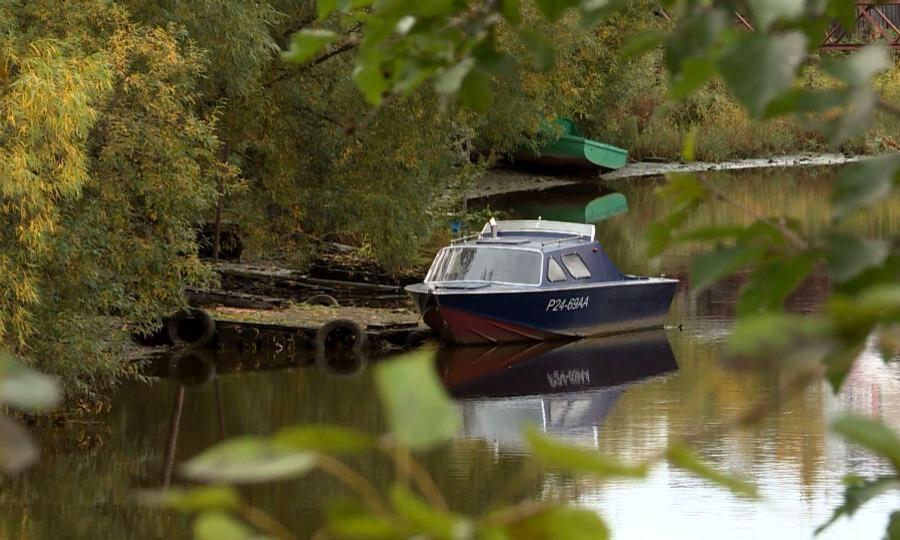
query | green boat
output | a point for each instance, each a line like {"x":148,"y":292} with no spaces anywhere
{"x":573,"y":150}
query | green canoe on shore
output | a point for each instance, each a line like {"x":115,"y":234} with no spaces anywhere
{"x":573,"y":150}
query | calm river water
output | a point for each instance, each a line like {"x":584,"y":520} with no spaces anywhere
{"x":627,"y":396}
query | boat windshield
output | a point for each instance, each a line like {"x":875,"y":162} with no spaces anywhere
{"x":486,"y":264}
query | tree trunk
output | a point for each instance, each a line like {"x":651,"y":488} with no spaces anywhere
{"x":217,"y":226}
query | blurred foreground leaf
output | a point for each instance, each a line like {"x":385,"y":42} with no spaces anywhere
{"x":423,"y":519}
{"x":580,"y":460}
{"x":848,"y":255}
{"x":247,"y":460}
{"x":870,"y":434}
{"x":307,"y":43}
{"x":354,"y":521}
{"x":864,"y":184}
{"x":419,"y":411}
{"x":222,"y":526}
{"x":857,"y":493}
{"x":191,"y":500}
{"x":772,"y":282}
{"x":682,"y":457}
{"x":561,"y":522}
{"x":773,"y":334}
{"x":329,"y":439}
{"x":708,"y":268}
{"x":760,"y":67}
{"x":25,"y":388}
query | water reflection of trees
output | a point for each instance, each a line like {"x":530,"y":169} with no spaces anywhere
{"x":93,"y":469}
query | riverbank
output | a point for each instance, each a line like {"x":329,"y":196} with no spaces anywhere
{"x":502,"y":182}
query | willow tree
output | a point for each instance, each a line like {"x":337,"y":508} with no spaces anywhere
{"x":105,"y":168}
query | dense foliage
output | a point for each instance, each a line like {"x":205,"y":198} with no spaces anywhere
{"x":405,"y":44}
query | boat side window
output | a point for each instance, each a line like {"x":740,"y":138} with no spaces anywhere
{"x":555,"y":272}
{"x":576,"y":266}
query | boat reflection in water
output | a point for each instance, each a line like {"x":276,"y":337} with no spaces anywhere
{"x":565,"y":389}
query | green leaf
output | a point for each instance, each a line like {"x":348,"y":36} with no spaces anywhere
{"x":326,"y":439}
{"x":327,"y":7}
{"x":682,"y":457}
{"x":370,"y":80}
{"x":553,"y":9}
{"x":712,"y":232}
{"x":221,"y":526}
{"x":307,"y":43}
{"x":451,"y":79}
{"x":768,"y":11}
{"x":682,"y":193}
{"x":859,"y":68}
{"x":247,"y":460}
{"x":893,"y":528}
{"x":875,"y":304}
{"x":871,"y":434}
{"x":355,"y":521}
{"x":193,"y":500}
{"x":803,"y":100}
{"x":857,"y":493}
{"x":25,"y":388}
{"x":760,"y":67}
{"x":864,"y":184}
{"x":592,"y":11}
{"x":840,"y":358}
{"x":695,"y":72}
{"x":771,"y":283}
{"x":509,"y":9}
{"x":543,"y":53}
{"x":709,"y":268}
{"x":475,"y":93}
{"x":561,"y":522}
{"x":419,"y":412}
{"x":849,"y":255}
{"x":580,"y":460}
{"x":694,"y":37}
{"x":643,"y":43}
{"x":843,"y":11}
{"x":422,"y":519}
{"x":773,"y":334}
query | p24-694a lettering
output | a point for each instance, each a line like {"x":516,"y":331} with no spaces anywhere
{"x":568,"y":304}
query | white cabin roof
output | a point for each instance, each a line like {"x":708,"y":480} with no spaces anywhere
{"x":542,"y":225}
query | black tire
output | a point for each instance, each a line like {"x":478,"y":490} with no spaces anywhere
{"x":194,"y":327}
{"x":341,"y":334}
{"x":192,"y":367}
{"x":342,"y":363}
{"x":322,"y":300}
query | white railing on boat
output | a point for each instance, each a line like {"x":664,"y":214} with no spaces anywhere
{"x":561,"y":240}
{"x":578,"y":230}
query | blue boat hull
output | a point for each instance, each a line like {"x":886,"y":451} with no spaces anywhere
{"x":505,"y":316}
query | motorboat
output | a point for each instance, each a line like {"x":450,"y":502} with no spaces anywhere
{"x":535,"y":280}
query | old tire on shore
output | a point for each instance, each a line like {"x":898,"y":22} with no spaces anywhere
{"x":322,"y":300}
{"x":194,"y":327}
{"x":342,"y":335}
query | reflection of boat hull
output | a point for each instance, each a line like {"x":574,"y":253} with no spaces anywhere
{"x":470,"y":317}
{"x":546,"y":368}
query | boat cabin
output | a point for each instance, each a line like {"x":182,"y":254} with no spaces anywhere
{"x":524,"y":253}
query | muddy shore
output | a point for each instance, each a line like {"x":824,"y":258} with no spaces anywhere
{"x":500,"y":182}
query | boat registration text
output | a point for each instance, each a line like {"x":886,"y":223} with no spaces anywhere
{"x":567,"y":304}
